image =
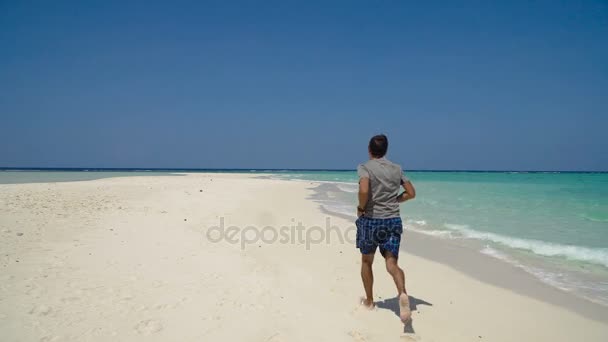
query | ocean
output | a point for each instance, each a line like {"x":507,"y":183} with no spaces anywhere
{"x":552,"y":225}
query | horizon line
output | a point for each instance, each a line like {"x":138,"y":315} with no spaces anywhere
{"x":261,"y":170}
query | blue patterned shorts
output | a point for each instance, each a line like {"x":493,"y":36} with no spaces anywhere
{"x":374,"y":232}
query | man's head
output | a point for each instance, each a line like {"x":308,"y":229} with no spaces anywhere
{"x":378,"y":145}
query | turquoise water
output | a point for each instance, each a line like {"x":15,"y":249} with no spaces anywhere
{"x":20,"y":177}
{"x":553,"y":225}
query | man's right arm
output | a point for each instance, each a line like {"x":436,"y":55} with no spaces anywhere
{"x":410,"y":192}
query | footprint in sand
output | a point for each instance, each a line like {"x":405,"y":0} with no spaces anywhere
{"x":40,"y":310}
{"x":69,"y":299}
{"x":362,"y":308}
{"x":160,"y":307}
{"x":357,"y":336}
{"x":148,"y":327}
{"x":276,"y":338}
{"x":409,"y":338}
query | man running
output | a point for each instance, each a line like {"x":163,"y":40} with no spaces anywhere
{"x":379,"y":223}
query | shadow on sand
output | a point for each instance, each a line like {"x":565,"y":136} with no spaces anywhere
{"x":393,"y":305}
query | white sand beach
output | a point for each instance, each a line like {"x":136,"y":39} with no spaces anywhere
{"x":130,"y":259}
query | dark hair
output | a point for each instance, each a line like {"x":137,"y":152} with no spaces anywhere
{"x":378,"y":145}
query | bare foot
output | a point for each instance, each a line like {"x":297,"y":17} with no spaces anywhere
{"x":368,"y":304}
{"x":404,"y":308}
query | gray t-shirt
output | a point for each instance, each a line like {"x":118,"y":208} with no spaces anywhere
{"x":385,"y":179}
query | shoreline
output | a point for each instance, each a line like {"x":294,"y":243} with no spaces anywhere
{"x":492,"y":271}
{"x":500,"y":273}
{"x":130,"y":252}
{"x":466,"y":256}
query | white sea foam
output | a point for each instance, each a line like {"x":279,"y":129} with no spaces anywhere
{"x":333,"y":182}
{"x":439,"y":233}
{"x":594,"y":219}
{"x":418,"y":227}
{"x":545,"y":276}
{"x":339,"y":208}
{"x":487,"y":250}
{"x":348,"y":187}
{"x":344,"y":186}
{"x":593,"y":291}
{"x":572,"y":252}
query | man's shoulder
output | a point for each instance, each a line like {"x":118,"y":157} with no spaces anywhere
{"x":389,"y":163}
{"x":365,"y":163}
{"x":368,"y":164}
{"x":373,"y":165}
{"x":362,"y":170}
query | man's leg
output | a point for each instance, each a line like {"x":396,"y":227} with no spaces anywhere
{"x":399,"y":278}
{"x":395,"y":271}
{"x":367,"y":276}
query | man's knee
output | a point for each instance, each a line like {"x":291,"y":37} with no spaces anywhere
{"x":367,"y":259}
{"x":392,"y":266}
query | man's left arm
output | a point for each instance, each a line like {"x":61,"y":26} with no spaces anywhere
{"x":363,"y":195}
{"x":363,"y":189}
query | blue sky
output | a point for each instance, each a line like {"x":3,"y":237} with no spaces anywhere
{"x":304,"y":84}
